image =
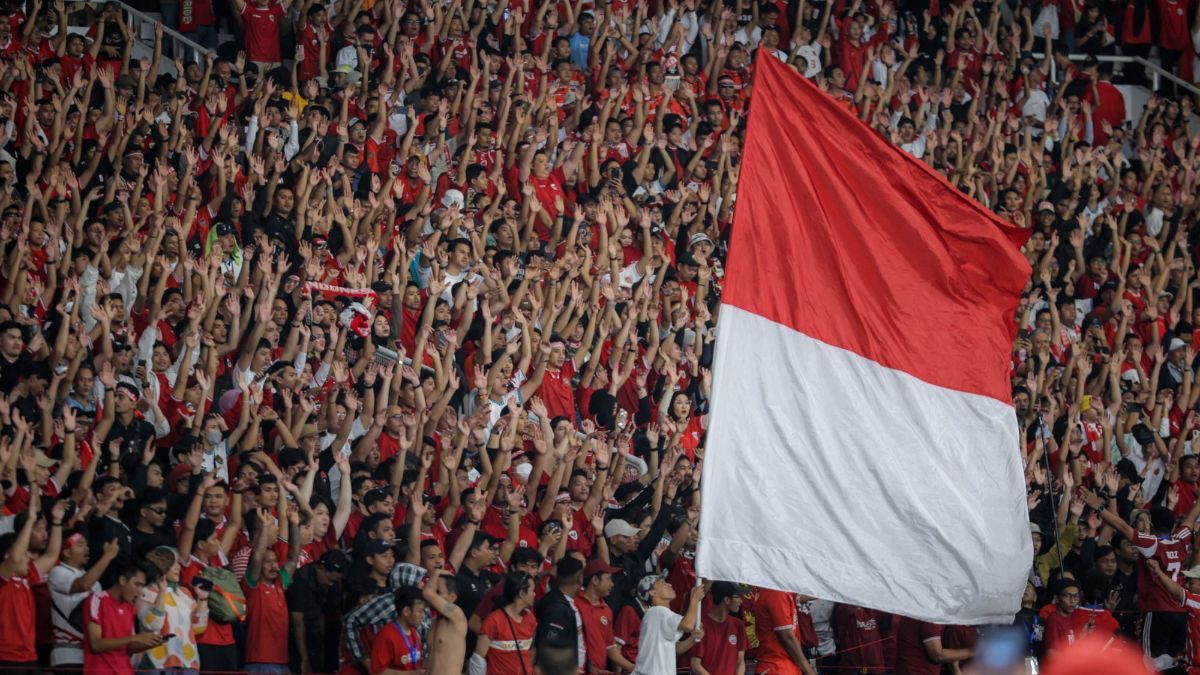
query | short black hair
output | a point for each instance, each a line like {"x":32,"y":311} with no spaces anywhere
{"x":407,"y":597}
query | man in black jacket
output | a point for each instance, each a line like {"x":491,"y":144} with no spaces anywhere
{"x":558,"y":621}
{"x":630,"y":553}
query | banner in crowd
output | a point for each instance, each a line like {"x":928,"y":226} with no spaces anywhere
{"x":863,"y":446}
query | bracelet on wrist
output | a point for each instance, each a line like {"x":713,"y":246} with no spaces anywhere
{"x":602,"y":468}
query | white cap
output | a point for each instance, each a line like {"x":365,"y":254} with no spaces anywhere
{"x":1176,"y":343}
{"x":453,"y":198}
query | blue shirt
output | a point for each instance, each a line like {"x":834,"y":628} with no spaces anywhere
{"x":579,"y":49}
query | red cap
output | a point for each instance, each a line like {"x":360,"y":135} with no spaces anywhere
{"x":598,"y":566}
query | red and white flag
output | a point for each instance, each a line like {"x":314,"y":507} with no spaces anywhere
{"x":863,"y":445}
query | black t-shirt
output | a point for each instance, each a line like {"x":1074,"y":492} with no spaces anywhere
{"x":135,"y":434}
{"x":472,"y":587}
{"x":308,"y":597}
{"x":144,"y":542}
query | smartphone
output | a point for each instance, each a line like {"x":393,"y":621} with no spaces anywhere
{"x":1134,"y":407}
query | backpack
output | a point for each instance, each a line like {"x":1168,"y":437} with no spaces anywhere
{"x":227,"y":602}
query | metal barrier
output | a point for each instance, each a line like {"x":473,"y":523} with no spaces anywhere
{"x":1156,"y":72}
{"x":143,"y":26}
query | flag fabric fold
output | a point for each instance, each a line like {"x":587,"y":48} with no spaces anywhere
{"x":863,"y":446}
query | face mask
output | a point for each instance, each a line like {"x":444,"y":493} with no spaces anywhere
{"x":213,"y":436}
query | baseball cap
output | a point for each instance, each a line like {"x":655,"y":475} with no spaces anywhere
{"x":453,"y":198}
{"x":43,"y":460}
{"x":1176,"y":343}
{"x":224,"y":229}
{"x":375,"y":547}
{"x":646,"y":584}
{"x":1045,"y":206}
{"x":697,"y":238}
{"x":335,"y":561}
{"x":598,"y":566}
{"x":1034,"y":529}
{"x":309,"y":430}
{"x":1193,"y":573}
{"x":619,"y":528}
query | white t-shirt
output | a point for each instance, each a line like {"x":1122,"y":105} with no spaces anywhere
{"x":656,"y":642}
{"x":68,"y":642}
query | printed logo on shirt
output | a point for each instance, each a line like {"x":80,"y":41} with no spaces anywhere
{"x":604,"y":621}
{"x":733,"y":639}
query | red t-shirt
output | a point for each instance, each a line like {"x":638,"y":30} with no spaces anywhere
{"x":267,"y":620}
{"x":1060,"y":631}
{"x":511,"y":648}
{"x":195,"y":13}
{"x":911,"y":637}
{"x":856,"y":632}
{"x":309,"y":67}
{"x":116,"y":620}
{"x":598,"y":633}
{"x":396,"y":649}
{"x":1171,"y":554}
{"x":582,"y":536}
{"x":217,"y":633}
{"x":545,"y":190}
{"x":722,"y":642}
{"x":1173,"y":25}
{"x":773,"y":611}
{"x":262,"y":32}
{"x":556,"y":391}
{"x":628,"y":632}
{"x":17,"y":616}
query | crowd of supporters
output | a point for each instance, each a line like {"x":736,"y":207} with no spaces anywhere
{"x":377,"y":337}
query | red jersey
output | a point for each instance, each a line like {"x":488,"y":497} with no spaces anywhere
{"x":628,"y":631}
{"x":545,"y":190}
{"x":511,"y":639}
{"x":856,"y":632}
{"x":309,"y":67}
{"x":267,"y":620}
{"x":195,"y":13}
{"x":1191,"y":605}
{"x":598,"y":633}
{"x":556,"y":391}
{"x":396,"y":649}
{"x":116,"y":620}
{"x":1171,"y":553}
{"x":17,"y":615}
{"x":262,"y":32}
{"x":771,"y":611}
{"x":723,"y":641}
{"x":1173,"y":25}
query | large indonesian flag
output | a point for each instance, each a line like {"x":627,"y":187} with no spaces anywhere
{"x":863,"y":446}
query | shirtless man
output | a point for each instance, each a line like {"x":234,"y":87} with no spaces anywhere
{"x":448,"y":637}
